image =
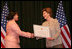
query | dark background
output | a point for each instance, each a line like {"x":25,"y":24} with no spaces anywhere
{"x":30,"y":12}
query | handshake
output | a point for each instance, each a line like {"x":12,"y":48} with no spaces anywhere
{"x":40,"y":32}
{"x":30,"y":35}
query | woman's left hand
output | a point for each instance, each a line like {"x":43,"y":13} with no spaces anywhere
{"x":50,"y":38}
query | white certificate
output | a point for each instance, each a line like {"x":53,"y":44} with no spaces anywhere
{"x":41,"y":31}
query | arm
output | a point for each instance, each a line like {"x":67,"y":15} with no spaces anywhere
{"x":57,"y":28}
{"x":17,"y":30}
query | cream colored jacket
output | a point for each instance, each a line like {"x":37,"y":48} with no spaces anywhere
{"x":54,"y":28}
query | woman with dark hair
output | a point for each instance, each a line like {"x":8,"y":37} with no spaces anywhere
{"x":13,"y":31}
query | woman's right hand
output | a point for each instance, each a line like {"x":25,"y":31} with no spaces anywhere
{"x":37,"y":38}
{"x":30,"y":35}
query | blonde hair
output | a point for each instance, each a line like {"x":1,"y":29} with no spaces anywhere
{"x":48,"y":10}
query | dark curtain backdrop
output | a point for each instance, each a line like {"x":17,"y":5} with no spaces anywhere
{"x":30,"y":12}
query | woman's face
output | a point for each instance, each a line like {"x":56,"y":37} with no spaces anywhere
{"x":45,"y":15}
{"x":16,"y":17}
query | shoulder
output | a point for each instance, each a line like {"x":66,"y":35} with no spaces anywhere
{"x":44,"y":22}
{"x":56,"y":22}
{"x":11,"y":23}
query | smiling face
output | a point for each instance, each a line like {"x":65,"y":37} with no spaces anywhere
{"x":46,"y":15}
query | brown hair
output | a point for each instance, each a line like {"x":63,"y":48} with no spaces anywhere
{"x":48,"y":10}
{"x":11,"y":15}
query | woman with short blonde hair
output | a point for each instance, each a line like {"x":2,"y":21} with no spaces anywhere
{"x":54,"y":27}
